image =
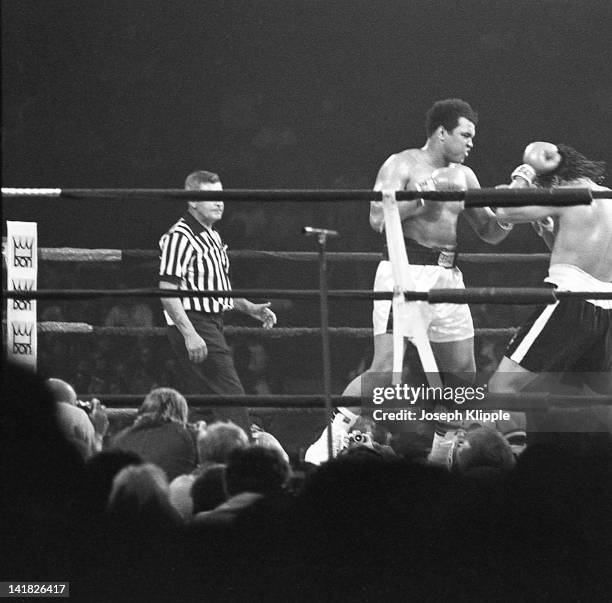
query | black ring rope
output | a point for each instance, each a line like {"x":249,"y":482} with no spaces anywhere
{"x":492,"y":197}
{"x":512,"y":401}
{"x":276,"y":333}
{"x":71,"y":254}
{"x":475,"y":295}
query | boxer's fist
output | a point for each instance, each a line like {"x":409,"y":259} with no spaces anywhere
{"x":544,"y":225}
{"x":449,"y":179}
{"x":543,"y":157}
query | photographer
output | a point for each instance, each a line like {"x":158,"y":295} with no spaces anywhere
{"x":84,"y":424}
{"x":367,"y":435}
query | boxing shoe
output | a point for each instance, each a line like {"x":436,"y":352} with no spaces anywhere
{"x":341,"y":424}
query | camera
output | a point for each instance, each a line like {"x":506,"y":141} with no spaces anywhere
{"x":357,"y":438}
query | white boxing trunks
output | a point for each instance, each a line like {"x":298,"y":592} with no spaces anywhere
{"x":445,"y":322}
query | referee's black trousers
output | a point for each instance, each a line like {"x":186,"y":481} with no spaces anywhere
{"x":217,"y":374}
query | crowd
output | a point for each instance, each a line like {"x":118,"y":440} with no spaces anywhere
{"x":168,"y":510}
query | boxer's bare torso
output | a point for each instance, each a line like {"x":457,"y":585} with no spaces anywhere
{"x":583,"y":237}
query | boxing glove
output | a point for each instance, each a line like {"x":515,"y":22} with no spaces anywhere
{"x":449,"y":179}
{"x":543,"y":157}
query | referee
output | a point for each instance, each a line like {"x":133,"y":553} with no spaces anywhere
{"x":193,"y":257}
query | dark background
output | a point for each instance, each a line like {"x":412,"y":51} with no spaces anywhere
{"x":273,"y":94}
{"x":116,"y":93}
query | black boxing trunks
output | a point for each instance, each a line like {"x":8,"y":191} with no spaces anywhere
{"x":571,"y":335}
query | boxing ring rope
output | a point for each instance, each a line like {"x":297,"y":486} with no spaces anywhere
{"x":543,"y":401}
{"x":483,"y":197}
{"x":506,"y":197}
{"x":73,"y":254}
{"x":276,"y":333}
{"x":518,"y":402}
{"x":474,"y":295}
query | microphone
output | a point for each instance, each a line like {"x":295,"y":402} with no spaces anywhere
{"x":309,"y":231}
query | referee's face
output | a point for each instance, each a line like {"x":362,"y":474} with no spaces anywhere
{"x":208,"y":212}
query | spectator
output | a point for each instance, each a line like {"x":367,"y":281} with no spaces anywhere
{"x":208,"y":490}
{"x":129,"y":313}
{"x":85,"y":432}
{"x":90,"y":513}
{"x":143,"y":368}
{"x":251,"y":474}
{"x":256,"y":469}
{"x":40,"y":472}
{"x":253,"y":365}
{"x":484,"y":452}
{"x":139,"y":497}
{"x":215,"y":444}
{"x":160,"y":434}
{"x":100,"y":471}
{"x":267,"y":440}
{"x":143,"y":525}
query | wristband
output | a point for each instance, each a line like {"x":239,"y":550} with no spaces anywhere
{"x":525,"y":172}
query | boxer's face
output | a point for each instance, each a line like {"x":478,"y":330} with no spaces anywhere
{"x":208,"y":212}
{"x":459,"y":142}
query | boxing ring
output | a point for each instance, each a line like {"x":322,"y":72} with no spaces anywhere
{"x":489,"y":295}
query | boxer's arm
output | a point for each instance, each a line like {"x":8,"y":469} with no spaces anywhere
{"x":530,"y":213}
{"x":394,"y":175}
{"x":538,"y":158}
{"x":541,"y":218}
{"x":483,"y":220}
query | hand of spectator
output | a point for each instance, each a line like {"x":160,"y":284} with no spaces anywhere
{"x":99,"y":417}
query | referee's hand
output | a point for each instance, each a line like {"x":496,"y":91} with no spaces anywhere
{"x":196,"y":348}
{"x":263,"y":313}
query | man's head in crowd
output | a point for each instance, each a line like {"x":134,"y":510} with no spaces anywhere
{"x":61,"y":391}
{"x":484,"y":447}
{"x":219,"y":440}
{"x":162,"y":405}
{"x":256,"y":469}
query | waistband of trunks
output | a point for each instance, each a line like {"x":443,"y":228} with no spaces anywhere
{"x":426,"y":256}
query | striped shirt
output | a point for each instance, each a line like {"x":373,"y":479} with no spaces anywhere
{"x":194,"y":257}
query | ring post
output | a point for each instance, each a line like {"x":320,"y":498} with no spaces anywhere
{"x":322,"y":235}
